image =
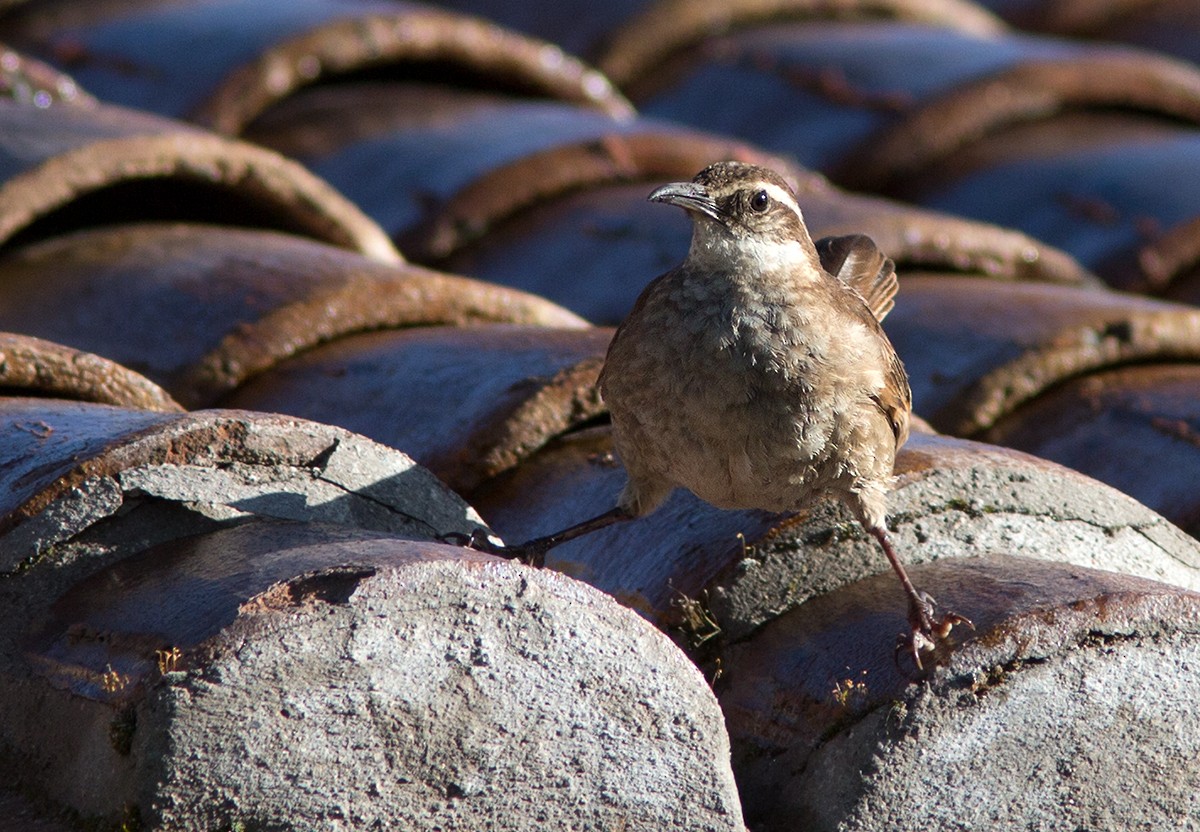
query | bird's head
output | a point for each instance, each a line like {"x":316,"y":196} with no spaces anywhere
{"x":739,"y":210}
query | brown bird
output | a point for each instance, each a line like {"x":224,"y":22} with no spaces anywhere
{"x":756,"y":374}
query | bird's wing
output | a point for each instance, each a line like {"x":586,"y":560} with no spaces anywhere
{"x":895,"y":399}
{"x":856,"y":261}
{"x":631,"y":322}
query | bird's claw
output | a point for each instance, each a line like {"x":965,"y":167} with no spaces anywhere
{"x":948,"y":621}
{"x":925,"y":633}
{"x":478,"y":541}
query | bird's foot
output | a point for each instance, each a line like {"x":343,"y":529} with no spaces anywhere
{"x":530,"y":553}
{"x":925,"y":632}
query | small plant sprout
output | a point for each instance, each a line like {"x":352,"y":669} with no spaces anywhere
{"x":168,"y":660}
{"x":111,"y":681}
{"x":695,"y":619}
{"x":849,"y":690}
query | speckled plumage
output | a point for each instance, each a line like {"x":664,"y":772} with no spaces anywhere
{"x":749,"y":374}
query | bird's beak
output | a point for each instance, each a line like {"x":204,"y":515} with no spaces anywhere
{"x":687,"y":195}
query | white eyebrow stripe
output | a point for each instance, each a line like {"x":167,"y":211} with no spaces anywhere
{"x":783,"y":197}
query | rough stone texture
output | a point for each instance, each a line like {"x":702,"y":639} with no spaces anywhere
{"x":637,"y":50}
{"x":1066,"y":746}
{"x":89,"y":480}
{"x":411,"y":36}
{"x":332,"y":679}
{"x":1148,"y":418}
{"x":977,"y":350}
{"x":20,"y":815}
{"x":71,"y":167}
{"x":956,"y":498}
{"x":42,"y":368}
{"x":1075,"y":693}
{"x":466,"y":402}
{"x":202,"y":308}
{"x":1096,"y":77}
{"x":186,"y":63}
{"x":652,"y":564}
{"x":435,"y":140}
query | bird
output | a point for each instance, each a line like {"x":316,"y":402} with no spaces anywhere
{"x":756,"y":374}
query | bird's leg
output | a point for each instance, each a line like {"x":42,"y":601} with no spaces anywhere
{"x":924,"y":632}
{"x":533,"y":552}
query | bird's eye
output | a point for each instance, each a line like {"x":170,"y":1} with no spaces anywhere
{"x":760,"y":201}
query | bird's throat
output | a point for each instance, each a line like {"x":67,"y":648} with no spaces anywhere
{"x":748,"y":258}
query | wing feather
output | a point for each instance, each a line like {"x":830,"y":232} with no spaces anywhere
{"x":856,"y":261}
